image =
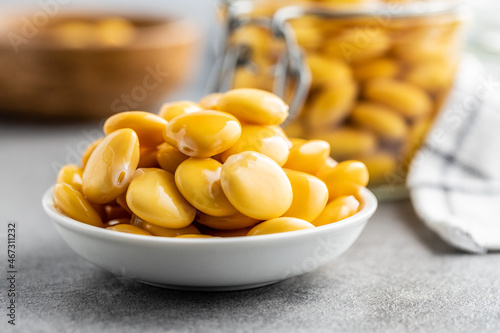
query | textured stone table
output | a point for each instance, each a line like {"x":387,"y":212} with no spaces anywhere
{"x":397,"y":277}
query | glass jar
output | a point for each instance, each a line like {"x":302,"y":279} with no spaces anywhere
{"x":368,"y":77}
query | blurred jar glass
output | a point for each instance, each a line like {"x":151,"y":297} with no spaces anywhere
{"x":368,"y":77}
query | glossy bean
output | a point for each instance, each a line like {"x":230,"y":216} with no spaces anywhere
{"x":278,"y":225}
{"x":153,"y":196}
{"x":148,"y":126}
{"x":168,"y":111}
{"x":310,"y":195}
{"x":353,"y":171}
{"x":73,"y":204}
{"x":169,"y":157}
{"x":262,"y":139}
{"x":256,"y":185}
{"x":308,"y":156}
{"x":337,"y":210}
{"x":129,"y":229}
{"x":110,"y":166}
{"x":254,"y":106}
{"x":203,"y":133}
{"x":71,"y":174}
{"x":199,"y":182}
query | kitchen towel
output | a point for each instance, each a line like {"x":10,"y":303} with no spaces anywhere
{"x":454,"y":179}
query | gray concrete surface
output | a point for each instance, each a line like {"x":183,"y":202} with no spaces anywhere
{"x":398,"y":276}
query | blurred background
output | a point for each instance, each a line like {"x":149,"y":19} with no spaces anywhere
{"x":85,"y":60}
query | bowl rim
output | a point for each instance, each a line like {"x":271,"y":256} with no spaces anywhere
{"x":369,"y":205}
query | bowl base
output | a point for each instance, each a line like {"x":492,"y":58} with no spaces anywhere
{"x":209,"y":289}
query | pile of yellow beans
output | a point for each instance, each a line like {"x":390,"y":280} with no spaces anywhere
{"x":221,"y":167}
{"x":377,"y":81}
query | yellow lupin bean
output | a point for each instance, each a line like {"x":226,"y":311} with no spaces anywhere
{"x":329,"y":164}
{"x":342,"y":188}
{"x":328,"y":71}
{"x":199,"y":182}
{"x":72,"y":175}
{"x":254,"y":106}
{"x":310,"y":196}
{"x":194,"y":236}
{"x":382,"y":166}
{"x":256,"y":185}
{"x":73,"y":204}
{"x":153,"y":196}
{"x":280,"y":224}
{"x":232,"y":222}
{"x":409,"y":100}
{"x":148,"y":157}
{"x":385,"y":122}
{"x":149,"y":127}
{"x":168,"y":111}
{"x":88,"y":151}
{"x":111,"y":165}
{"x":353,"y":171}
{"x":346,"y":142}
{"x":331,"y":107}
{"x":209,"y":102}
{"x":262,"y":139}
{"x":308,"y":156}
{"x":169,"y":157}
{"x":379,"y":68}
{"x":203,"y":133}
{"x":155,"y":230}
{"x":129,"y":229}
{"x":337,"y":210}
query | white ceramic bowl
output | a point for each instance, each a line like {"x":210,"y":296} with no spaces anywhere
{"x":211,"y":263}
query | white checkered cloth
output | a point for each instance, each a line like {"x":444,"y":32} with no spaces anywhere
{"x":454,"y":180}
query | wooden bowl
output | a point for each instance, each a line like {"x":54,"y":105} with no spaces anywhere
{"x":58,"y":71}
